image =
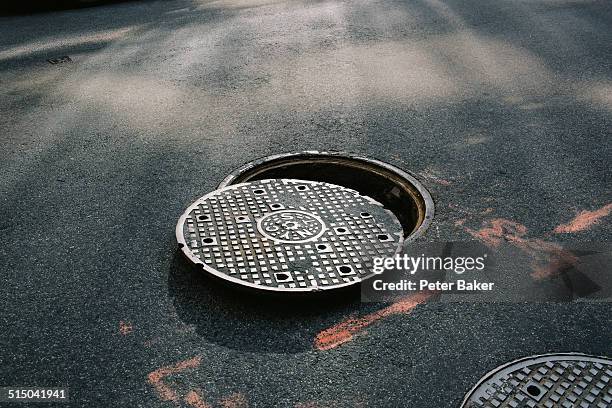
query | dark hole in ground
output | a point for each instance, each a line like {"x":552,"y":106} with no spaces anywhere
{"x":374,"y":179}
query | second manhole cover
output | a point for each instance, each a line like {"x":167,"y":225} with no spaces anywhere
{"x":288,"y":235}
{"x":547,"y":381}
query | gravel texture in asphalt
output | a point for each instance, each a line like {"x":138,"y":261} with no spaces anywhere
{"x":502,"y":109}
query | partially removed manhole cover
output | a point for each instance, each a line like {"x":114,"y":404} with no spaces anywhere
{"x":288,"y":235}
{"x":552,"y":380}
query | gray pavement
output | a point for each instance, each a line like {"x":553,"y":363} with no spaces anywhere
{"x":503,"y":109}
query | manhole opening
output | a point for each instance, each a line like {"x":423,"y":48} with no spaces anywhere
{"x":397,"y":190}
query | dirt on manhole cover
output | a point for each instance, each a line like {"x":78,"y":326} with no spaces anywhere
{"x":553,"y":380}
{"x":288,"y":235}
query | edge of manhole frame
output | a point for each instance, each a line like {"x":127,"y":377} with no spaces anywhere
{"x":502,"y":367}
{"x":428,"y":202}
{"x":200,"y":264}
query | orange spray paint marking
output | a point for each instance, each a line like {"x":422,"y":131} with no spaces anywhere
{"x":236,"y":400}
{"x":344,"y":331}
{"x":498,"y":231}
{"x":125,"y":328}
{"x":193,"y":399}
{"x":155,"y":378}
{"x":584,"y":220}
{"x":549,"y":258}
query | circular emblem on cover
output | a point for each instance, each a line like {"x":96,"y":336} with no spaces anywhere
{"x":291,"y":226}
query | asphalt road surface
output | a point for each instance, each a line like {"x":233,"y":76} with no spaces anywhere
{"x":503,"y":109}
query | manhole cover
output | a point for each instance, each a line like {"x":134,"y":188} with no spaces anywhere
{"x":553,"y":380}
{"x":288,"y":235}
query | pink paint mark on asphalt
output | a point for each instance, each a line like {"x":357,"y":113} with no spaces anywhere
{"x":498,"y":231}
{"x":156,"y":377}
{"x":584,"y":220}
{"x":548,"y":258}
{"x":344,"y":331}
{"x":194,"y":399}
{"x":125,"y":328}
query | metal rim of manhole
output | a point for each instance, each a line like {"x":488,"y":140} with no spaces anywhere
{"x":396,"y":189}
{"x":287,"y":235}
{"x":564,"y":380}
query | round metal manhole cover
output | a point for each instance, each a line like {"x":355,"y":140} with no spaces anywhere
{"x":553,"y":380}
{"x":288,"y":235}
